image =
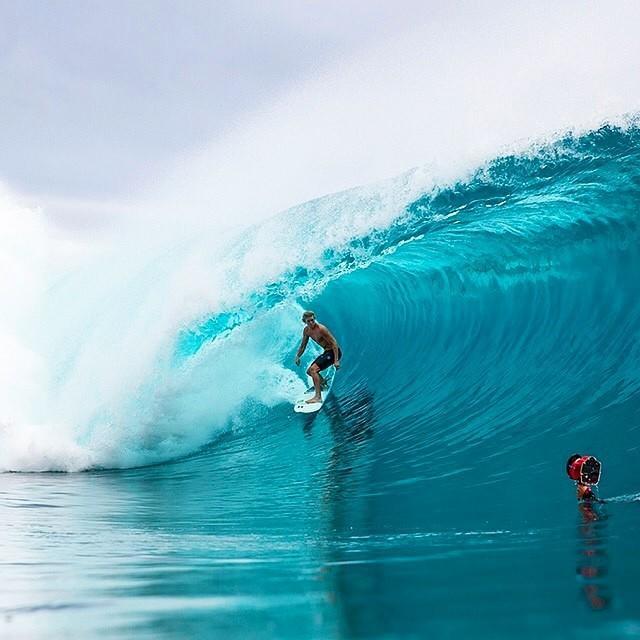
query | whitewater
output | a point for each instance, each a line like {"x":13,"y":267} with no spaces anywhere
{"x":460,"y":207}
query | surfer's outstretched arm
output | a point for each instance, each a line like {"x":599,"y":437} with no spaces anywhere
{"x":303,"y":346}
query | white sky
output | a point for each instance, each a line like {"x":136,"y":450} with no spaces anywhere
{"x":97,"y":95}
{"x":244,"y":104}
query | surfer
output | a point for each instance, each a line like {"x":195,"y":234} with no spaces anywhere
{"x":331,"y":355}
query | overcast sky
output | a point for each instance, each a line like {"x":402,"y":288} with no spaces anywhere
{"x":242,"y":108}
{"x":96,"y":95}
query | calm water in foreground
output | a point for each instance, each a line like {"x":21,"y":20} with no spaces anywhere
{"x":242,"y":543}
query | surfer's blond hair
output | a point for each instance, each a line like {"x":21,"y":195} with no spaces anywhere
{"x":308,"y":314}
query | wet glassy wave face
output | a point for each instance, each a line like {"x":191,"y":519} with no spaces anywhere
{"x":489,"y":329}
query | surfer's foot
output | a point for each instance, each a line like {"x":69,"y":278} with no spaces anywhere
{"x":313,"y":400}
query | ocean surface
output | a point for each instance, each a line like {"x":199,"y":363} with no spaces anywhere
{"x":157,"y":483}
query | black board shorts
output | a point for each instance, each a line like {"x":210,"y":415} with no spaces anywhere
{"x":325,"y":359}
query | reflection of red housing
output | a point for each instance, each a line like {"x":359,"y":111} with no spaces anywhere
{"x":584,"y":469}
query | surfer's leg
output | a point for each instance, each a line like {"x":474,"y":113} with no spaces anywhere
{"x":322,"y":362}
{"x":314,"y":372}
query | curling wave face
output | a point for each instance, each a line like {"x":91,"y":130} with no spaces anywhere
{"x":502,"y":309}
{"x":493,"y":319}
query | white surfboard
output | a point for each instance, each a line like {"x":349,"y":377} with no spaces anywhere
{"x":301,"y":405}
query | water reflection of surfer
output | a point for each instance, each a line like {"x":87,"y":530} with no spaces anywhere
{"x":351,"y":423}
{"x":347,"y":511}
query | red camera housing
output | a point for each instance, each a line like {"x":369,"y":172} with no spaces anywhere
{"x":584,"y":469}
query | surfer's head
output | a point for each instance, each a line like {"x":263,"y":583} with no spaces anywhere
{"x":309,"y":317}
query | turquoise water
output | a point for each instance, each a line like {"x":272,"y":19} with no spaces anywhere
{"x":489,"y":329}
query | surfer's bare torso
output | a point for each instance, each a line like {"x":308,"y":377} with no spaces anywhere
{"x":320,"y":335}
